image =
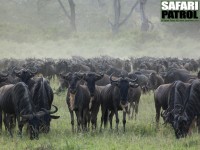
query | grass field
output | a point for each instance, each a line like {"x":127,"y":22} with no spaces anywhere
{"x":140,"y":133}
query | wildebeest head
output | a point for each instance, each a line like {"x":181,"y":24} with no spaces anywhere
{"x":90,"y":79}
{"x":180,"y":125}
{"x":46,"y":119}
{"x":73,"y":80}
{"x":152,"y":81}
{"x":3,"y":77}
{"x":123,"y":84}
{"x":34,"y":123}
{"x":25,"y":74}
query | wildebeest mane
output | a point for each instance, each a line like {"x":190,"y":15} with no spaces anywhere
{"x":42,"y":95}
{"x":21,"y":95}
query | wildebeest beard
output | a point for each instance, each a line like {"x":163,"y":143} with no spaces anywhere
{"x":72,"y":101}
{"x":91,"y":100}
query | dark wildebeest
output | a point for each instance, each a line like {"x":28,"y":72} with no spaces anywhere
{"x":114,"y":98}
{"x":133,"y":99}
{"x":77,"y":99}
{"x":164,"y":97}
{"x":154,"y":81}
{"x":179,"y":91}
{"x":142,"y":80}
{"x":185,"y":110}
{"x":42,"y":96}
{"x":177,"y":74}
{"x":95,"y":100}
{"x":161,"y":99}
{"x":16,"y":100}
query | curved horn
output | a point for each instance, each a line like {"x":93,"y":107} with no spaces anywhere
{"x":4,"y":75}
{"x":40,"y":113}
{"x":15,"y":71}
{"x":33,"y":72}
{"x":51,"y":112}
{"x":111,"y":80}
{"x":29,"y":116}
{"x":131,"y":80}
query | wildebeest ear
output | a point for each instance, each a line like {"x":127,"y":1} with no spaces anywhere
{"x":54,"y":117}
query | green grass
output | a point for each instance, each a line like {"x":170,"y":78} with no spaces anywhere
{"x":140,"y":133}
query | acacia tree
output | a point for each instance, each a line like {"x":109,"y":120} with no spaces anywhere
{"x":117,"y":12}
{"x":145,"y":26}
{"x":72,"y":15}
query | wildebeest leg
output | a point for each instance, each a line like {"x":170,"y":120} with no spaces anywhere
{"x":79,"y":120}
{"x":8,"y":124}
{"x":124,"y":120}
{"x":20,"y":125}
{"x":84,"y":120}
{"x":117,"y":119}
{"x":132,"y":109}
{"x":198,"y":123}
{"x":136,"y":109}
{"x":158,"y":107}
{"x":72,"y":119}
{"x":78,"y":124}
{"x":93,"y":121}
{"x":5,"y":120}
{"x":1,"y":120}
{"x":103,"y":113}
{"x":110,"y":118}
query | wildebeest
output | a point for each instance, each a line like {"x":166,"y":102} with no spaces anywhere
{"x":42,"y":96}
{"x":16,"y":100}
{"x":161,"y":95}
{"x":154,"y":81}
{"x":95,"y":98}
{"x":77,"y":99}
{"x":133,"y":99}
{"x":185,"y":110}
{"x":142,"y":79}
{"x":114,"y":98}
{"x":177,"y":74}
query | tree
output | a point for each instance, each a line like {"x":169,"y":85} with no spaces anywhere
{"x":72,"y":15}
{"x":117,"y":11}
{"x":145,"y":25}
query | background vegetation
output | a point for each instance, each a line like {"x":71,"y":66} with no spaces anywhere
{"x":44,"y":31}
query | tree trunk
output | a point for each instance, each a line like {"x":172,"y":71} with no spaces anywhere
{"x":73,"y":15}
{"x":145,"y":21}
{"x":117,"y":10}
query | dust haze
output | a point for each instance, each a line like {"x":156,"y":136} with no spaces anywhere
{"x":90,"y":28}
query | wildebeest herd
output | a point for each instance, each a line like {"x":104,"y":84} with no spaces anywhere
{"x":102,"y":83}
